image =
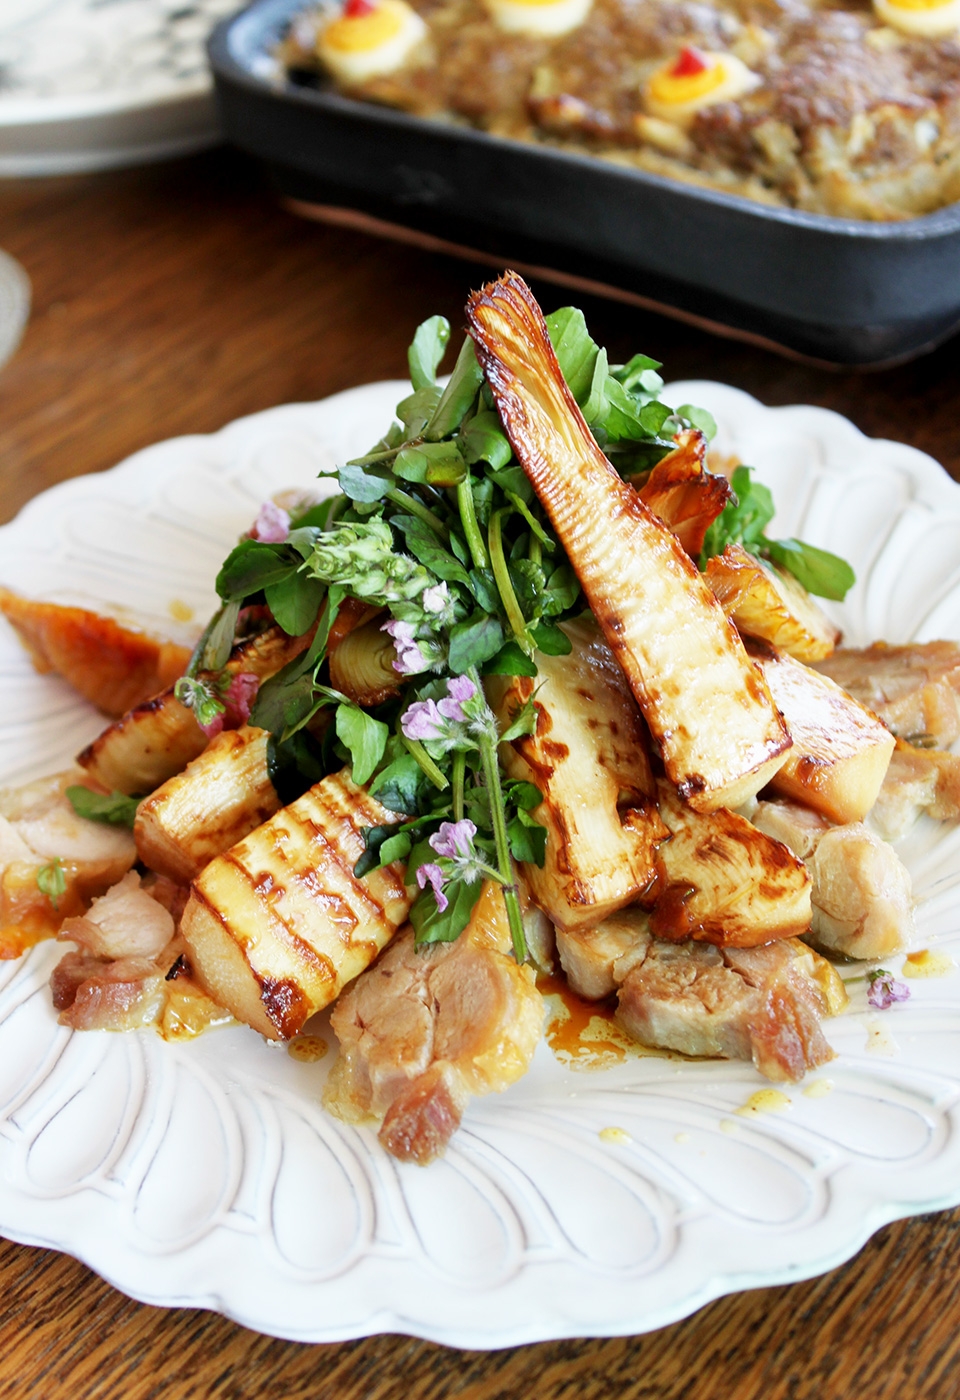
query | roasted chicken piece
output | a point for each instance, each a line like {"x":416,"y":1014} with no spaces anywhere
{"x":918,"y":780}
{"x":861,"y":893}
{"x":219,"y":798}
{"x":588,"y":757}
{"x":768,"y":603}
{"x":39,"y":831}
{"x":683,"y":494}
{"x":762,"y":1004}
{"x":914,"y":689}
{"x":424,"y":1029}
{"x":157,"y":739}
{"x":112,"y":665}
{"x":723,"y":881}
{"x":840,"y":751}
{"x":276,"y":926}
{"x":128,"y":971}
{"x":597,"y":957}
{"x":707,"y":706}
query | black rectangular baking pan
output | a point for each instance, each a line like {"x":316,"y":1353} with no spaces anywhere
{"x":839,"y":291}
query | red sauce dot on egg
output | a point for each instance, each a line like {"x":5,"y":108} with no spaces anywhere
{"x":689,"y":63}
{"x":356,"y":9}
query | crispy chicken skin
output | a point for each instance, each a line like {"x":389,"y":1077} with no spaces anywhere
{"x":707,"y":707}
{"x":425,"y":1029}
{"x":914,"y":689}
{"x":112,"y":666}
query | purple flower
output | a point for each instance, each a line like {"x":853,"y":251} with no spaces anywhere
{"x":884,"y":989}
{"x":410,"y":659}
{"x":435,"y":599}
{"x":434,"y":875}
{"x":460,"y":689}
{"x":423,"y":720}
{"x":272,"y":525}
{"x":454,"y":839}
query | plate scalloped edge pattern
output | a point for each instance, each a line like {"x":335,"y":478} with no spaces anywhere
{"x":206,"y":1175}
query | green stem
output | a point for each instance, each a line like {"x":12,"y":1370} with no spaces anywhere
{"x":459,"y":775}
{"x":410,"y":503}
{"x":491,"y":778}
{"x":501,"y":574}
{"x":337,"y":504}
{"x":534,"y":550}
{"x":414,"y":747}
{"x":471,"y":527}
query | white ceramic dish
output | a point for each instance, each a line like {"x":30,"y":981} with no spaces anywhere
{"x":207,"y":1175}
{"x":85,"y":85}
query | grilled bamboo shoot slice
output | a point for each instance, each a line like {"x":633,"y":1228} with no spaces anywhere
{"x":683,"y":494}
{"x":840,"y":751}
{"x":277,"y":925}
{"x":588,"y":757}
{"x":765,"y":603}
{"x":157,"y":739}
{"x":707,"y":706}
{"x":219,"y":798}
{"x":725,"y":882}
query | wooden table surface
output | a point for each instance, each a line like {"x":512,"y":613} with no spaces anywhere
{"x":171,"y":300}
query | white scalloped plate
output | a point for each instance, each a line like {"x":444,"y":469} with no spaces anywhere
{"x":207,"y":1174}
{"x":90,"y":84}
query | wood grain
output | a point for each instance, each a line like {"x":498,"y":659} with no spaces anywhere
{"x":172,"y":300}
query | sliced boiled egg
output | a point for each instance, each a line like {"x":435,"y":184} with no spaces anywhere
{"x":929,"y":18}
{"x":696,"y":79}
{"x":369,"y":38}
{"x":543,"y":18}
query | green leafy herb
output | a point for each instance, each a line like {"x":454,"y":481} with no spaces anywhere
{"x":474,"y":642}
{"x":429,"y":345}
{"x":744,"y":520}
{"x":251,"y":567}
{"x":115,"y":810}
{"x":699,"y":418}
{"x":295,"y":602}
{"x":365,"y":739}
{"x":820,"y":572}
{"x":459,"y":395}
{"x":483,"y":440}
{"x":433,"y":926}
{"x":52,"y":881}
{"x":510,"y":660}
